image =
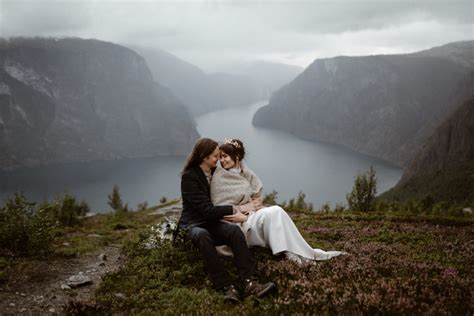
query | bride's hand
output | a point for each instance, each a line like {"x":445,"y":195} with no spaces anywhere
{"x":238,"y":217}
{"x":257,"y":203}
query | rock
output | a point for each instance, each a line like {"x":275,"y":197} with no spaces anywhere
{"x":65,"y":287}
{"x":102,"y":257}
{"x":23,"y":294}
{"x":120,"y":295}
{"x":162,"y":211}
{"x":23,"y":310}
{"x":66,"y":244}
{"x":12,"y":304}
{"x":467,"y":210}
{"x":78,"y":280}
{"x":95,"y":235}
{"x":52,"y":310}
{"x":102,"y":263}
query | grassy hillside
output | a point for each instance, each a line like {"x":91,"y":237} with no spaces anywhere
{"x":399,"y":262}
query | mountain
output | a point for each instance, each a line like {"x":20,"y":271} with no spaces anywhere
{"x":268,"y":77}
{"x":444,"y":167}
{"x":204,"y":92}
{"x":384,"y":106}
{"x":64,"y":100}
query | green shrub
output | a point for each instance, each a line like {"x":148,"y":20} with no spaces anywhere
{"x":325,"y":208}
{"x":271,"y":198}
{"x":362,"y":196}
{"x":142,"y":206}
{"x":66,"y":210}
{"x":25,"y":230}
{"x":163,"y":199}
{"x":115,"y":201}
{"x":298,"y":205}
{"x":339,"y":208}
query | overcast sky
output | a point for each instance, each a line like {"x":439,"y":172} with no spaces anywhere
{"x":211,"y":34}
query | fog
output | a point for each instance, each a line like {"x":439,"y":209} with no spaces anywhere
{"x":216,"y":34}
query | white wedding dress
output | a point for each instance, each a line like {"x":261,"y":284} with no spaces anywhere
{"x":269,"y":227}
{"x":273,"y":228}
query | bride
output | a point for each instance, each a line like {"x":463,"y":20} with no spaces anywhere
{"x":235,"y":184}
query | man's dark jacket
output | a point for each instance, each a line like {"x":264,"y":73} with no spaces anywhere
{"x":197,"y":206}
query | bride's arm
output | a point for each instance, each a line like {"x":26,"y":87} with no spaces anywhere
{"x":255,"y":182}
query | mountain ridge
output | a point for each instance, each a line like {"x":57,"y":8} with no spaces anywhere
{"x":384,"y":106}
{"x":69,"y":99}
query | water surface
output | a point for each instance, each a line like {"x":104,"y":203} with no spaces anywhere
{"x":324,"y":172}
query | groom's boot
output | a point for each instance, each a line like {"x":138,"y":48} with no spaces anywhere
{"x":231,"y":295}
{"x":253,"y":287}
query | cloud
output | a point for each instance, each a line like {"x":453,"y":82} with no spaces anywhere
{"x":41,"y":18}
{"x":210,"y":33}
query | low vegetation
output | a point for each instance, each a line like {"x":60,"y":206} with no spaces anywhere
{"x":404,"y":258}
{"x":398,"y":263}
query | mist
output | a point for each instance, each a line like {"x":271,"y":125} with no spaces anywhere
{"x":214,"y":35}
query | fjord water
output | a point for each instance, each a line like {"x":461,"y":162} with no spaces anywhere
{"x":325,"y":173}
{"x":287,"y":164}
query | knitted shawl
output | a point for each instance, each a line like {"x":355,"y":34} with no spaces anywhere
{"x":234,"y":186}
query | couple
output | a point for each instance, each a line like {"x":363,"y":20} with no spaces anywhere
{"x":222,"y":206}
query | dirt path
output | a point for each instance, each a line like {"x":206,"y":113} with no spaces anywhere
{"x":45,"y":290}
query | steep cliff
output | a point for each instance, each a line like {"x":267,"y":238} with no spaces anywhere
{"x":64,"y":100}
{"x":444,"y":167}
{"x":385,"y":106}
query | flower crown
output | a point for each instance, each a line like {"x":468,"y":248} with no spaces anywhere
{"x":232,"y":142}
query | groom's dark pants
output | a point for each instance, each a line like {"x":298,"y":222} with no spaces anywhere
{"x":206,"y":237}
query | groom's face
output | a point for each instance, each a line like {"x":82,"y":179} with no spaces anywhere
{"x":211,"y":160}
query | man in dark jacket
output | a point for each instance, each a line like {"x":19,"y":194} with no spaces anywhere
{"x":202,"y":221}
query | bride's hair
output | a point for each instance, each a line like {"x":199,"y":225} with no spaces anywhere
{"x":234,"y":148}
{"x":203,"y":148}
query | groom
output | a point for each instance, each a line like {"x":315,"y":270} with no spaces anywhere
{"x":202,"y":220}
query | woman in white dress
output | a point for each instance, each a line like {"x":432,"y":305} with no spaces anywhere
{"x":235,"y":184}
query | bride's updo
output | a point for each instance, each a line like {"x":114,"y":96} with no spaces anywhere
{"x":234,"y":148}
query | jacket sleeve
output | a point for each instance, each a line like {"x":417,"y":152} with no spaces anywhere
{"x":192,"y":192}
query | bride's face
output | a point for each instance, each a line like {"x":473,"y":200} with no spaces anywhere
{"x":226,"y":161}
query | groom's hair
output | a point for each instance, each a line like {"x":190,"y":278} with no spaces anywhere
{"x":234,"y":148}
{"x":203,"y":148}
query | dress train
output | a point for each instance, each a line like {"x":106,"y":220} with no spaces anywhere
{"x":273,"y":228}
